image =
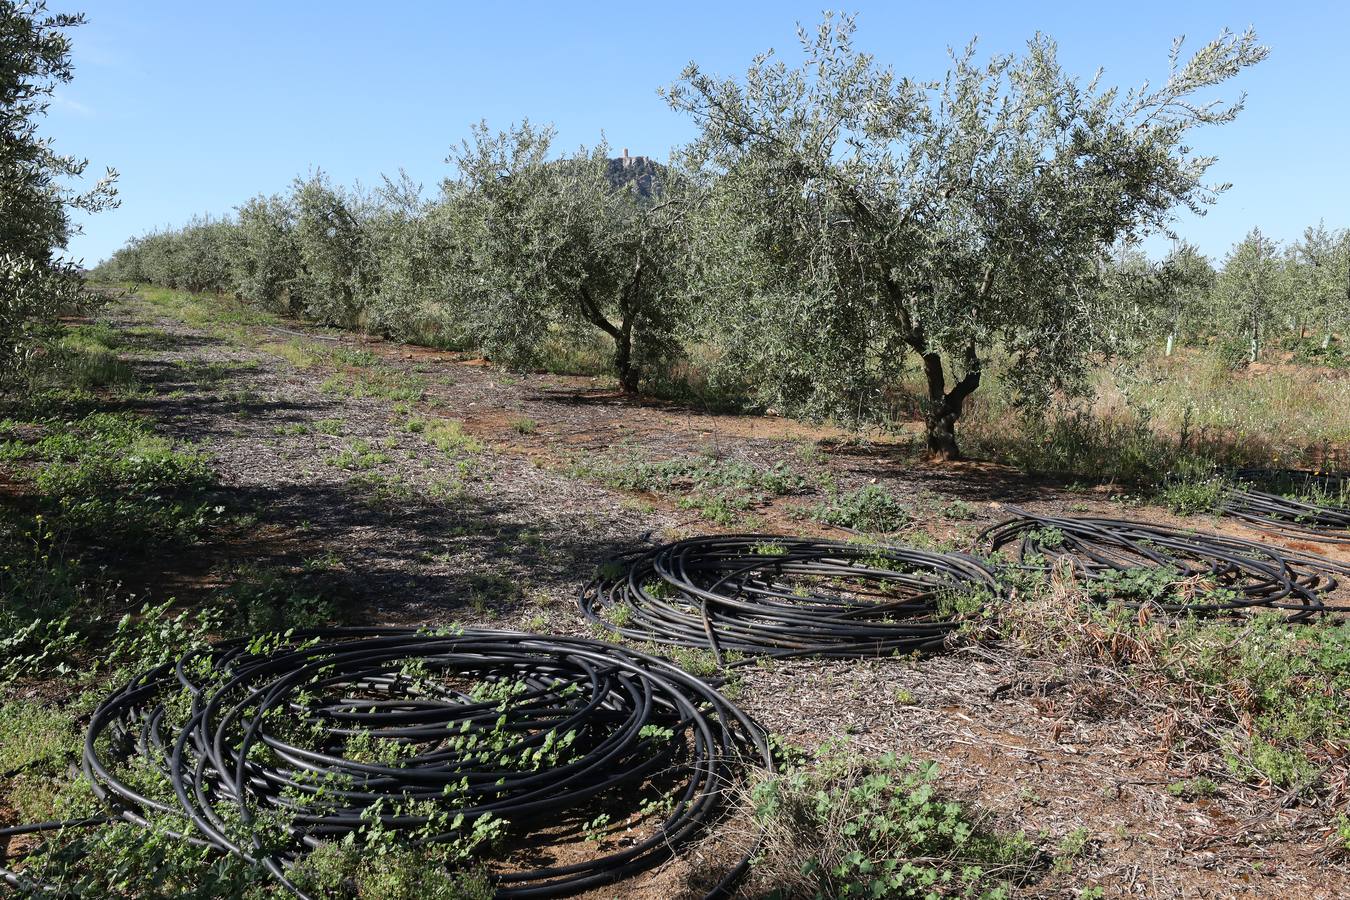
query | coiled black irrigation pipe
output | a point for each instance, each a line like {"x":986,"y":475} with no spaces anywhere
{"x":535,"y":732}
{"x":786,"y":596}
{"x":1222,"y":574}
{"x":529,"y":730}
{"x":1279,"y":512}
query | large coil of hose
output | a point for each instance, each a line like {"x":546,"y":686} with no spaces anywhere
{"x":1205,"y":573}
{"x":762,"y":594}
{"x":335,"y":732}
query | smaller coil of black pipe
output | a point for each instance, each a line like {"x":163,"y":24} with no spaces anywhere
{"x":762,"y":594}
{"x":332,"y":731}
{"x":1287,"y":501}
{"x":1207,"y":573}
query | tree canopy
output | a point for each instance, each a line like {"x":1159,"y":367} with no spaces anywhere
{"x":563,"y":245}
{"x":36,"y":196}
{"x":856,"y":217}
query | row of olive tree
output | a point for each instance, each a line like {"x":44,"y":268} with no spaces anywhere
{"x":36,"y":198}
{"x":832,"y":224}
{"x":1259,"y":291}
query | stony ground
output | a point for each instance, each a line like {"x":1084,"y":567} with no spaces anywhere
{"x":494,"y":526}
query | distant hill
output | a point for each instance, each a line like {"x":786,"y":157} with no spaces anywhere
{"x":643,"y":172}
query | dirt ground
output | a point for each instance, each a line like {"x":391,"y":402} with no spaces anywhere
{"x":505,"y":535}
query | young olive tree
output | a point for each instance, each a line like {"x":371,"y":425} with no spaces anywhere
{"x":565,"y":245}
{"x":264,"y":256}
{"x":1188,"y":285}
{"x":857,"y":217}
{"x":36,"y":284}
{"x":337,"y":271}
{"x":1324,"y":257}
{"x":1250,"y":288}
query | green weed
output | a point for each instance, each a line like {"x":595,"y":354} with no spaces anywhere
{"x":869,"y":508}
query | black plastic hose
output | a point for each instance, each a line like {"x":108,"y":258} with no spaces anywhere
{"x":1206,"y":573}
{"x":763,"y":594}
{"x":424,"y":734}
{"x":1282,"y":503}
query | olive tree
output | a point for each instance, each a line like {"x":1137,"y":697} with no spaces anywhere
{"x":857,"y":217}
{"x":1324,"y":257}
{"x":203,"y":262}
{"x":569,"y":245}
{"x":1250,"y":289}
{"x":412,"y":240}
{"x":36,"y":283}
{"x":336,"y":268}
{"x":264,"y":256}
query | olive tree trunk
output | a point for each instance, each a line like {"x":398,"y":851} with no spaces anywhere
{"x":944,"y":407}
{"x":622,"y":335}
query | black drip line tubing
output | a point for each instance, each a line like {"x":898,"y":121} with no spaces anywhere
{"x":779,"y":596}
{"x":1229,"y":574}
{"x":636,"y":723}
{"x":1278,"y":512}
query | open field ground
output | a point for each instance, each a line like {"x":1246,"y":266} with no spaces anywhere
{"x":372,"y":482}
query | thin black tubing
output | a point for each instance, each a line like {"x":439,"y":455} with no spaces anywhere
{"x":230,"y":760}
{"x":1278,"y":513}
{"x":1252,"y":575}
{"x":783,"y":596}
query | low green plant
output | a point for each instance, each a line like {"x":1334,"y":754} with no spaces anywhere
{"x":856,"y":826}
{"x":110,"y":474}
{"x":1193,"y":788}
{"x":869,"y":508}
{"x":1192,"y":488}
{"x":357,"y":456}
{"x":263,"y":599}
{"x":1262,"y":694}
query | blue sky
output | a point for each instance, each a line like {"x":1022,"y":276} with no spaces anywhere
{"x":202,"y":105}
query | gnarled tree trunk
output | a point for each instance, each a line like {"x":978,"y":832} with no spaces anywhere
{"x":621,"y":334}
{"x":944,"y":407}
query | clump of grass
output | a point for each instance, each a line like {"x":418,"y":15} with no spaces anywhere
{"x":381,"y":383}
{"x":301,"y":354}
{"x":346,"y":356}
{"x":85,"y":359}
{"x":446,"y":435}
{"x":524,"y":425}
{"x":34,"y":733}
{"x":563,"y":355}
{"x":205,"y":310}
{"x":721,"y":490}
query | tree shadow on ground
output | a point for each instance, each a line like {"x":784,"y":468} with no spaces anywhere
{"x":974,"y":481}
{"x":424,"y":558}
